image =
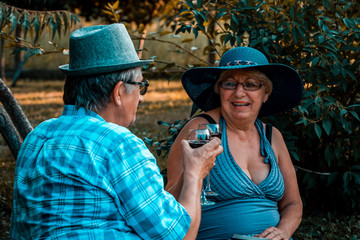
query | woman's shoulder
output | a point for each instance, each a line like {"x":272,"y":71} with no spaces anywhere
{"x":214,"y":114}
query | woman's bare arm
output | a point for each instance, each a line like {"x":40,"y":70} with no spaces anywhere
{"x":290,"y":206}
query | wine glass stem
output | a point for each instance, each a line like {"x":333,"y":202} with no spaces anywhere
{"x":207,"y":188}
{"x":203,"y":198}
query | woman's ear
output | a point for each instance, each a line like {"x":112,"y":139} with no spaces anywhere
{"x":266,"y":97}
{"x":116,"y":94}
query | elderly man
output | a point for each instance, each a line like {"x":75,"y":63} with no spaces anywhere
{"x":84,"y":175}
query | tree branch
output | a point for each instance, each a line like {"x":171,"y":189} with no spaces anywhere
{"x":32,"y":11}
{"x":9,"y":133}
{"x":175,"y":44}
{"x":159,"y":61}
{"x":14,"y":110}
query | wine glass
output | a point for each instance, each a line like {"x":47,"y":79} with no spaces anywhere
{"x":215,"y":131}
{"x":197,"y":138}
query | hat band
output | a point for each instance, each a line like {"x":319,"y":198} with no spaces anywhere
{"x":240,"y":62}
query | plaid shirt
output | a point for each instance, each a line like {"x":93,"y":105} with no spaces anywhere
{"x":80,"y":177}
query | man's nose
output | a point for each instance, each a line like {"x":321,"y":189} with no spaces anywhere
{"x":141,"y":98}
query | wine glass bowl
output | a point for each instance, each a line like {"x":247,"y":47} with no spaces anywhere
{"x":198,"y":137}
{"x":214,"y":128}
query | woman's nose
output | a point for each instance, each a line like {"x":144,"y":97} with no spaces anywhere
{"x":240,"y":90}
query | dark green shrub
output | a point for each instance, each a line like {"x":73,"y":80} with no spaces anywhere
{"x":320,"y":39}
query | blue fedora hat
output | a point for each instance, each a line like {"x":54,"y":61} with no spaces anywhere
{"x":287,"y":84}
{"x":101,"y":49}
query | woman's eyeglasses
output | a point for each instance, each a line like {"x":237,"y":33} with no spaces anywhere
{"x":249,"y":86}
{"x":143,"y":85}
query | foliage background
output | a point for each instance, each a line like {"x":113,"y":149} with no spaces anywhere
{"x":320,"y":39}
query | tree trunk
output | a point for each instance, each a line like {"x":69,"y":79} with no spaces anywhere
{"x":19,"y":67}
{"x":14,"y":110}
{"x":17,"y":55}
{"x":211,"y":30}
{"x":2,"y":60}
{"x":142,"y":43}
{"x":9,"y":133}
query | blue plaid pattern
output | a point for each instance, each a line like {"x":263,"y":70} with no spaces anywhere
{"x":80,"y":177}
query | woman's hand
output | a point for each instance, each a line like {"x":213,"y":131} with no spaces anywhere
{"x":274,"y":233}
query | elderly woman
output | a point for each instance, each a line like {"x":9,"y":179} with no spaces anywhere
{"x":254,"y":176}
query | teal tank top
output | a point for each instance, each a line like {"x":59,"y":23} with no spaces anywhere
{"x":242,"y":207}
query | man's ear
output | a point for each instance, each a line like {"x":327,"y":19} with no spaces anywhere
{"x":116,"y":94}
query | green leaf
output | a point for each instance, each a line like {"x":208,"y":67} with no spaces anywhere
{"x":326,"y":4}
{"x":148,"y":141}
{"x":13,"y":21}
{"x":315,"y":61}
{"x":329,"y":155}
{"x":58,"y":23}
{"x":195,"y":32}
{"x":318,"y":130}
{"x":295,"y":35}
{"x":355,"y":115}
{"x":163,"y":123}
{"x":326,"y":123}
{"x":235,"y":19}
{"x":36,"y":24}
{"x":53,"y":26}
{"x":343,"y":112}
{"x":199,"y":3}
{"x":227,"y":38}
{"x":25,"y":23}
{"x":158,"y":151}
{"x":295,"y":156}
{"x":292,"y":12}
{"x":65,"y":19}
{"x":198,"y":17}
{"x":220,"y":14}
{"x":346,"y":180}
{"x":35,"y":51}
{"x":356,"y":176}
{"x":190,"y":4}
{"x":73,"y":19}
{"x":349,"y":23}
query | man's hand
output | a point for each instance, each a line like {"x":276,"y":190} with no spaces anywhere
{"x":199,"y":161}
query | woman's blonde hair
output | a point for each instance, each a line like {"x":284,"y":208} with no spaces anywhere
{"x":253,"y":73}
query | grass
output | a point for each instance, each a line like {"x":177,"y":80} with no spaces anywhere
{"x":165,"y":101}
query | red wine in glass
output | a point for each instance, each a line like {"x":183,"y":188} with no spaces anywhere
{"x":216,"y":134}
{"x":196,"y":144}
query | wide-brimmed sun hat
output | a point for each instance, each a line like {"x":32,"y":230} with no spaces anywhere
{"x":287,"y":84}
{"x":101,"y":49}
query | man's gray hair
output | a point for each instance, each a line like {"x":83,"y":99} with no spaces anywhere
{"x":93,"y":92}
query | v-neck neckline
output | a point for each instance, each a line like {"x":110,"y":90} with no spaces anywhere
{"x":234,"y":163}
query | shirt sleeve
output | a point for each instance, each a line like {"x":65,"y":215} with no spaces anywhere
{"x":146,"y":207}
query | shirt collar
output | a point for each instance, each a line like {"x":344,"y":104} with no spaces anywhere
{"x":72,"y":110}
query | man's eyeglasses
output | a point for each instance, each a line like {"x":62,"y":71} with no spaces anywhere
{"x":143,"y":85}
{"x":249,"y":86}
